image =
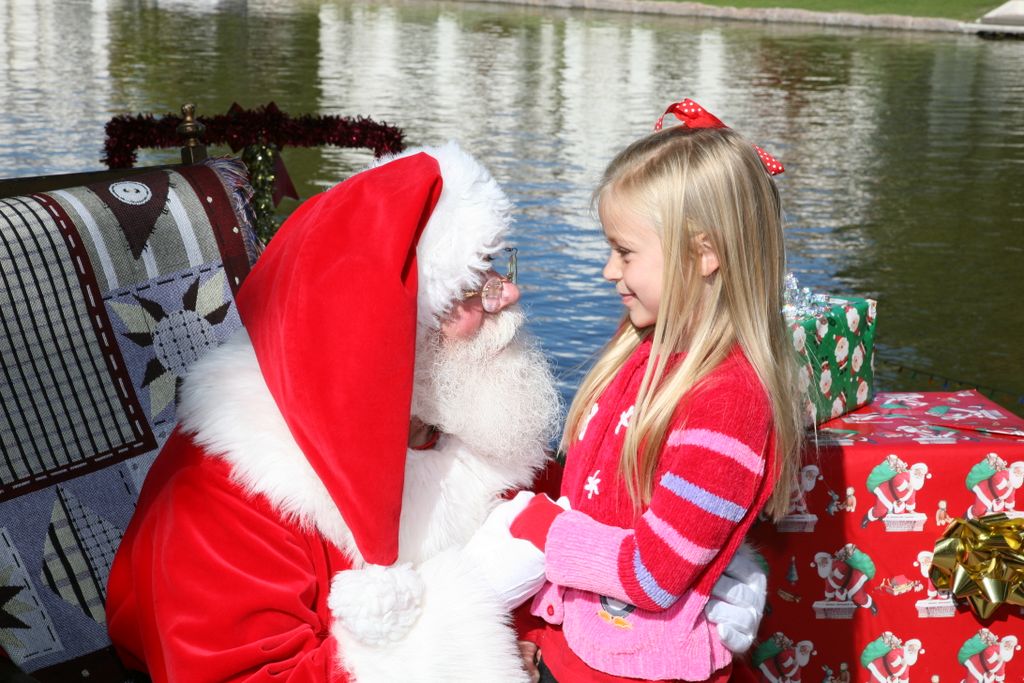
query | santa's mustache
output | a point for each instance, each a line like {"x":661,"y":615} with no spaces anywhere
{"x":496,"y":334}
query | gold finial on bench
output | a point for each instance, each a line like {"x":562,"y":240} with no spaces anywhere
{"x":191,"y":130}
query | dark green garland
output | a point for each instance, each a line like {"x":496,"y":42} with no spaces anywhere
{"x":259,"y":159}
{"x":259,"y":133}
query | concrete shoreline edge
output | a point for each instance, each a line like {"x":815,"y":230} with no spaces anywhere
{"x":772,"y":15}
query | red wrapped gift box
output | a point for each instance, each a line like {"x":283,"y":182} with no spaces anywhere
{"x":848,"y":590}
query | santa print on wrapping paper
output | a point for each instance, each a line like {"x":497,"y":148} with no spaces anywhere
{"x":857,"y":358}
{"x":929,"y":434}
{"x":832,"y":677}
{"x":842,"y":351}
{"x":780,"y":660}
{"x":846,"y":574}
{"x":863,"y":390}
{"x":938,"y":603}
{"x":799,"y":338}
{"x":956,"y":413}
{"x":994,"y":485}
{"x":825,"y":379}
{"x":838,"y":406}
{"x":852,"y":317}
{"x":799,"y":518}
{"x":820,"y":328}
{"x":984,"y":656}
{"x":804,"y":377}
{"x":895,"y":488}
{"x":908,"y":400}
{"x":888,"y":659}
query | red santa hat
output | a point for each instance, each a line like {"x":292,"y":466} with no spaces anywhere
{"x":333,"y":307}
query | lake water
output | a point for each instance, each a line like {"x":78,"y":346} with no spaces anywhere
{"x":904,"y":151}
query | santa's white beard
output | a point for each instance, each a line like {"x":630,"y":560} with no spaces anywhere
{"x":495,"y":391}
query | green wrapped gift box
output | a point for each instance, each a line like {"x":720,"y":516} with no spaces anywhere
{"x":835,"y":352}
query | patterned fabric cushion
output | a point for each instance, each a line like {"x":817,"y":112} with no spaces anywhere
{"x":108,"y":293}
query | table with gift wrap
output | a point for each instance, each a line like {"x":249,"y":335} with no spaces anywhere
{"x":850,"y":596}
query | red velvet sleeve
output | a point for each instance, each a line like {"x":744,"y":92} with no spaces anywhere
{"x":222,"y":590}
{"x":549,"y":480}
{"x":527,"y":626}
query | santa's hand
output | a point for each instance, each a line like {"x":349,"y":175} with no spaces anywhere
{"x":377,"y":605}
{"x":512,"y":568}
{"x":502,"y":516}
{"x":737,"y":600}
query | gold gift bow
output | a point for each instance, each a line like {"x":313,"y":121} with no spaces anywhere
{"x":982,"y":561}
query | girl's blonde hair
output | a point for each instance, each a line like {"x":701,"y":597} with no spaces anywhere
{"x":701,"y":186}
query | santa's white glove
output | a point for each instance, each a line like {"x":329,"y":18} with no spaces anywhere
{"x":737,"y":600}
{"x":377,"y":605}
{"x":512,"y":568}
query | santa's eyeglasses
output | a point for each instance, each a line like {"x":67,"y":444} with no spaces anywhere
{"x":490,"y":293}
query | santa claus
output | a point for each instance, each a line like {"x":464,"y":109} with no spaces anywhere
{"x":780,"y":660}
{"x":852,"y":317}
{"x":994,"y":485}
{"x":889,"y":659}
{"x":895,"y":487}
{"x":842,"y":351}
{"x":803,"y":484}
{"x":857,"y":358}
{"x":984,"y":656}
{"x":323,"y":511}
{"x":924,"y":563}
{"x":846,"y":575}
{"x":825,"y":380}
{"x":799,"y":338}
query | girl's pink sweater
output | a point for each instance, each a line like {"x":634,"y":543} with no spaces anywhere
{"x":629,"y":588}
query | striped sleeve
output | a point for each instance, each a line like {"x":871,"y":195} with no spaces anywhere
{"x":711,"y":473}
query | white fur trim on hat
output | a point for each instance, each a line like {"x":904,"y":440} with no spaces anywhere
{"x":468,"y":225}
{"x":462,"y":633}
{"x":377,"y":605}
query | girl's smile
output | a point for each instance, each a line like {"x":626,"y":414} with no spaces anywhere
{"x":635,"y":261}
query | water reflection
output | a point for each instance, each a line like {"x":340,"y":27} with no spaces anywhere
{"x":904,"y":152}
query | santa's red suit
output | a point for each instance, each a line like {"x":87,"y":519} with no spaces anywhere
{"x":261,"y":544}
{"x":987,"y":665}
{"x":782,"y":668}
{"x":995,"y":494}
{"x":890,"y":667}
{"x":897,"y":495}
{"x":797,"y":498}
{"x":847,"y":583}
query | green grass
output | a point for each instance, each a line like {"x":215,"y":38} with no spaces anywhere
{"x":963,"y":10}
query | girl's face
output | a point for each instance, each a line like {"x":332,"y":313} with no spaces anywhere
{"x":635,"y":262}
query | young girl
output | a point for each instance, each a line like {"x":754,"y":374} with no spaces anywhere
{"x":686,"y":427}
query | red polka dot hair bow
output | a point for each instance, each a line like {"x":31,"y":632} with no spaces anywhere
{"x":693,"y":115}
